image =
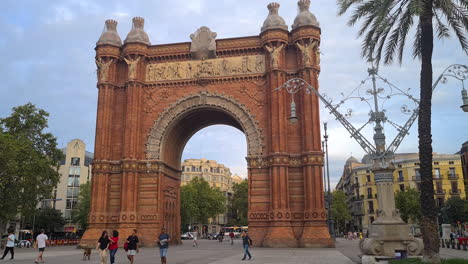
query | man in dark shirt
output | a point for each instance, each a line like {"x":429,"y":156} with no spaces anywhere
{"x":247,"y":242}
{"x":132,"y":246}
{"x":163,"y":241}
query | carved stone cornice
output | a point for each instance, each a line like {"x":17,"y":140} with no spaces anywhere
{"x":274,"y":35}
{"x":141,"y":166}
{"x":107,"y":50}
{"x":306,"y":32}
{"x":287,"y":215}
{"x":283,"y":159}
{"x":135,"y":48}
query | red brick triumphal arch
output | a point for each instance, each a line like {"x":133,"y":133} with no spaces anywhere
{"x":153,"y":98}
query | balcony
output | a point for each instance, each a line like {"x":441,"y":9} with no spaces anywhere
{"x":436,"y":177}
{"x":370,"y":211}
{"x":401,"y":179}
{"x":370,"y":196}
{"x":417,"y":178}
{"x":456,"y":191}
{"x":369,"y":183}
{"x":452,"y":176}
{"x":439,"y":192}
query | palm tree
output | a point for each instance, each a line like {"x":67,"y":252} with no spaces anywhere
{"x":386,"y":25}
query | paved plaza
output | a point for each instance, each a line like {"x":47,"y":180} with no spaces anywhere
{"x":209,"y":251}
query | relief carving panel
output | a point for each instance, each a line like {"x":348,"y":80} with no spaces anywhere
{"x":254,"y":64}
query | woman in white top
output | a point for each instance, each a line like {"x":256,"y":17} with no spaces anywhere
{"x":10,"y":245}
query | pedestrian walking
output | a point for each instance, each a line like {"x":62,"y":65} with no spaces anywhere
{"x":132,"y":246}
{"x":103,"y":246}
{"x":10,"y":244}
{"x":231,"y":235}
{"x":163,"y":241}
{"x":247,"y":243}
{"x":114,"y":245}
{"x":41,"y":245}
{"x":195,"y":237}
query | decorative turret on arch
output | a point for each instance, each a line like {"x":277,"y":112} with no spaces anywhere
{"x":237,"y":116}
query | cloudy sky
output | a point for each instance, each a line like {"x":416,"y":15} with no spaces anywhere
{"x":47,"y":52}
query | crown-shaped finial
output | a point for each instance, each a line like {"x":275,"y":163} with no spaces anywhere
{"x":305,"y":17}
{"x":111,"y":24}
{"x":274,"y":21}
{"x":273,"y":8}
{"x":304,"y":5}
{"x":138,"y":34}
{"x":110,"y":35}
{"x":138,"y":22}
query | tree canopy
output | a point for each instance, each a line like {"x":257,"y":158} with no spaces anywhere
{"x":81,"y":211}
{"x":239,"y":204}
{"x":340,"y":211}
{"x":407,"y":202}
{"x":29,"y":161}
{"x":200,"y":201}
{"x":454,"y":210}
{"x":48,"y":219}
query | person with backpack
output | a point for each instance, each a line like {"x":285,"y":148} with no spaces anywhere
{"x":163,"y":241}
{"x":247,"y":243}
{"x":132,"y":246}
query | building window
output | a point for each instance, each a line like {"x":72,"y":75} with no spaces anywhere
{"x":73,"y":181}
{"x":399,"y":166}
{"x":71,"y":203}
{"x":368,"y":178}
{"x":402,"y":187}
{"x":75,"y":161}
{"x":439,"y":187}
{"x":437,"y":173}
{"x":452,"y":172}
{"x":369,"y":193}
{"x":454,"y":187}
{"x":400,"y":176}
{"x":418,"y":175}
{"x":371,"y":219}
{"x":440,"y":202}
{"x":371,"y":207}
{"x":436,"y":163}
{"x":451,"y":162}
{"x":206,"y":170}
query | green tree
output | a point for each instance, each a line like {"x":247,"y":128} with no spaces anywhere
{"x":29,"y":161}
{"x":407,"y":202}
{"x":456,"y":209}
{"x":48,"y":219}
{"x":81,"y":212}
{"x":386,"y":25}
{"x":340,"y":211}
{"x":200,"y":201}
{"x":239,"y":204}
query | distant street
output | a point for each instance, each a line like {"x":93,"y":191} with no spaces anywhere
{"x":209,"y":251}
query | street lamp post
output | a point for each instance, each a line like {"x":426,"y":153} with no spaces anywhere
{"x":388,"y":221}
{"x":331,"y":226}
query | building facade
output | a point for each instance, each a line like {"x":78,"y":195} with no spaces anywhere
{"x":75,"y":171}
{"x":217,"y":175}
{"x":464,"y":162}
{"x":358,"y":183}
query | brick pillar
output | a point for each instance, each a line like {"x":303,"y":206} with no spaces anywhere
{"x":280,"y":232}
{"x":315,"y":232}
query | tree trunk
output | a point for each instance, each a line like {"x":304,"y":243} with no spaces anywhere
{"x":429,"y":227}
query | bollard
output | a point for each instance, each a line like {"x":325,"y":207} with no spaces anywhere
{"x":458,"y":245}
{"x":453,"y":244}
{"x":442,"y":244}
{"x":464,"y":246}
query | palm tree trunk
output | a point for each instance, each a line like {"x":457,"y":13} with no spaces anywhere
{"x":429,"y":227}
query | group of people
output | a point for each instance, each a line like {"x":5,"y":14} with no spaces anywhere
{"x":109,"y":245}
{"x":39,"y":243}
{"x":353,"y":235}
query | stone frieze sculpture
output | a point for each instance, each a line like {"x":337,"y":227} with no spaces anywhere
{"x":132,"y":66}
{"x":274,"y":54}
{"x":103,"y":69}
{"x":306,"y":51}
{"x":220,"y":67}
